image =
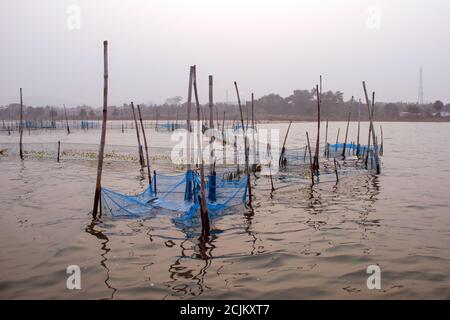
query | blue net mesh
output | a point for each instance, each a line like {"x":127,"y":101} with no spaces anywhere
{"x":177,"y":194}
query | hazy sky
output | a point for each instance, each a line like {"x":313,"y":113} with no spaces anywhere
{"x":267,"y":46}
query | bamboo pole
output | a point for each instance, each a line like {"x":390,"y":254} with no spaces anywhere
{"x":149,"y":174}
{"x":283,"y":149}
{"x":382,"y":142}
{"x":211,"y":104}
{"x":310,"y":160}
{"x":370,"y":129}
{"x":346,"y":130}
{"x":335,"y":171}
{"x":269,"y":154}
{"x":337,"y":136}
{"x":21,"y":126}
{"x":67,"y":120}
{"x":188,"y":118}
{"x":253,"y":132}
{"x":377,"y":164}
{"x":203,"y":207}
{"x":326,"y":141}
{"x":211,"y":126}
{"x":59,"y":149}
{"x":103,"y":134}
{"x":244,"y":133}
{"x":359,"y":129}
{"x":224,"y":140}
{"x":316,"y":156}
{"x":141,"y":155}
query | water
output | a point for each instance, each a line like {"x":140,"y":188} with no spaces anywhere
{"x":298,"y":244}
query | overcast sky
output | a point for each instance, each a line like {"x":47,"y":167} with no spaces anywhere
{"x":53,"y":48}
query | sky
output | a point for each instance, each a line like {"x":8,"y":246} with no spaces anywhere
{"x":53,"y":49}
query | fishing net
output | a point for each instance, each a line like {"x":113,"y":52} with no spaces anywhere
{"x":177,"y":194}
{"x":85,"y":151}
{"x":351,"y":149}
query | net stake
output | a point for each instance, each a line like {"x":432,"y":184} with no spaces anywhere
{"x":103,"y":134}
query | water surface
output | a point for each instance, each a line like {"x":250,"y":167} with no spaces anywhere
{"x":301,"y":243}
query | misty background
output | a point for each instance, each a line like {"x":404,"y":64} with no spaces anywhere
{"x":53,"y":49}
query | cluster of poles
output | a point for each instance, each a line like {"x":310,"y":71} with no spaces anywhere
{"x":363,"y":153}
{"x":192,"y":92}
{"x":200,"y":165}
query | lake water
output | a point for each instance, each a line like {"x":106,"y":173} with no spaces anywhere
{"x":301,"y":243}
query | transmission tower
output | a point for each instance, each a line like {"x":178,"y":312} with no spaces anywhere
{"x":420,"y":101}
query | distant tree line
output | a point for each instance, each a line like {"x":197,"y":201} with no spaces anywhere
{"x":300,"y":105}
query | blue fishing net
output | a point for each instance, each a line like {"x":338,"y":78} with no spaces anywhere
{"x":177,"y":194}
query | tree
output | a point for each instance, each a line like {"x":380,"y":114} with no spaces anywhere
{"x":174,"y":101}
{"x":83,"y":113}
{"x":438,"y":106}
{"x":413,"y":109}
{"x":391,"y":110}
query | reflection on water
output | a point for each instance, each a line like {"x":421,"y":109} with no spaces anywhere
{"x":91,"y":229}
{"x":188,"y":269}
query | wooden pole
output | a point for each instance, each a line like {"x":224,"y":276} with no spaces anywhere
{"x":326,"y":141}
{"x":103,"y":134}
{"x":377,"y":164}
{"x":149,"y":174}
{"x":382,"y":142}
{"x":346,"y":131}
{"x":283,"y":149}
{"x":21,"y":126}
{"x":224,"y":140}
{"x":188,"y":118}
{"x":311,"y":165}
{"x":67,"y":120}
{"x":335,"y":171}
{"x":244,"y":133}
{"x":203,"y":207}
{"x":141,"y":154}
{"x":359,"y":129}
{"x":337,"y":136}
{"x":211,"y":126}
{"x":211,"y":104}
{"x":316,"y":156}
{"x":370,"y":129}
{"x":59,"y":149}
{"x":253,"y":132}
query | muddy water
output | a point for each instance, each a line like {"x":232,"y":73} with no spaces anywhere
{"x":298,"y":244}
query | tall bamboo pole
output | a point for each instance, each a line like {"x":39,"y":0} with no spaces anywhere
{"x":224,"y":140}
{"x":141,"y":154}
{"x":377,"y":164}
{"x":382,"y":142}
{"x":203,"y":207}
{"x":211,"y":126}
{"x":283,"y":149}
{"x":370,"y":130}
{"x":103,"y":135}
{"x":211,"y":104}
{"x":21,"y":126}
{"x":346,"y":130}
{"x":67,"y":120}
{"x":146,"y":147}
{"x":253,"y":132}
{"x":244,"y":133}
{"x":326,"y":141}
{"x":188,"y":118}
{"x":359,"y":129}
{"x":316,"y":156}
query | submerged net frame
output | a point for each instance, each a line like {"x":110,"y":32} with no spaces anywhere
{"x":177,"y":194}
